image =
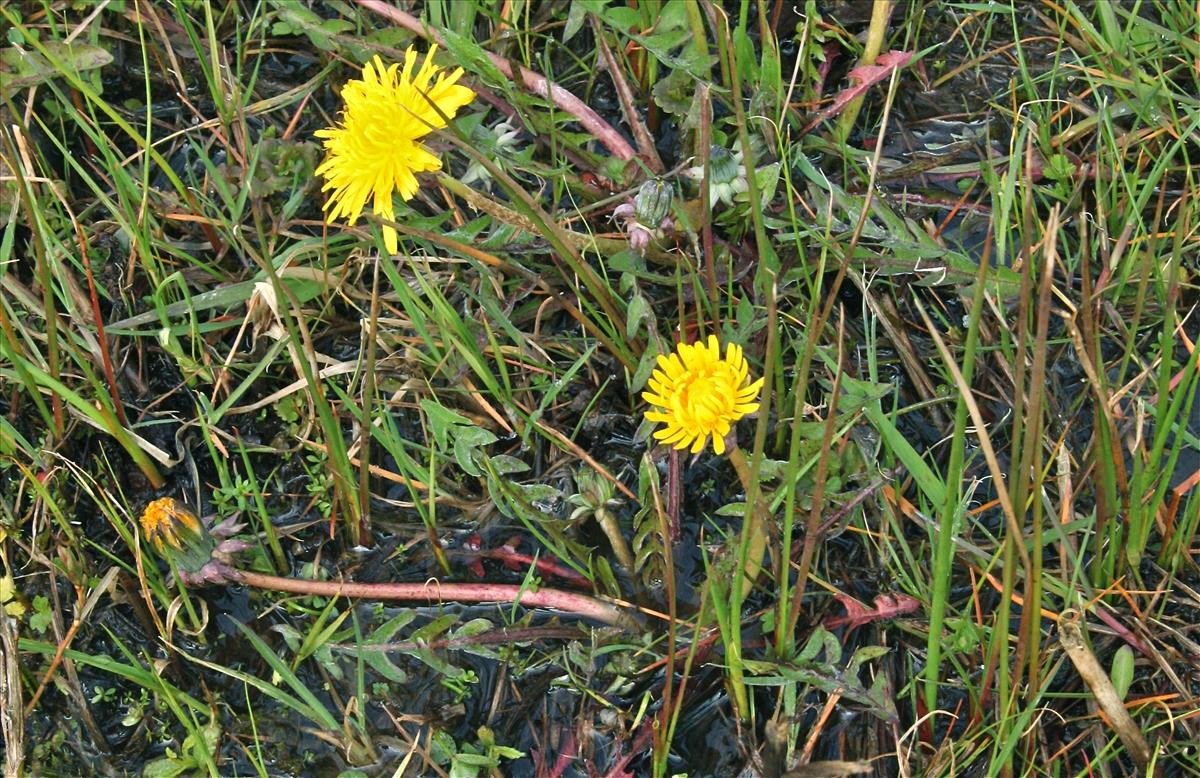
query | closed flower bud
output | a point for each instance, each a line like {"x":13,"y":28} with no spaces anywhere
{"x":723,"y":166}
{"x":652,"y":204}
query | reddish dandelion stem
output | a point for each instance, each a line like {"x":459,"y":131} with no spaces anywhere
{"x":434,"y":592}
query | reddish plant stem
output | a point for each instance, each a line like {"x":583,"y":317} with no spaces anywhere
{"x":515,"y":560}
{"x":674,"y":494}
{"x":641,"y":741}
{"x":101,"y":338}
{"x":704,"y":153}
{"x":536,"y":83}
{"x":641,"y":135}
{"x":434,"y":592}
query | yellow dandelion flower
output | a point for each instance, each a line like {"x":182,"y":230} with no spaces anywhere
{"x":696,"y":393}
{"x":177,"y":534}
{"x":163,"y":519}
{"x":375,"y":150}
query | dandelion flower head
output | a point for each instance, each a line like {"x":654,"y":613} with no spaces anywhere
{"x":177,"y":534}
{"x":697,"y":392}
{"x":201,"y":552}
{"x":375,"y":149}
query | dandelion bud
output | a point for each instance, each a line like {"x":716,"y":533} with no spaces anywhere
{"x":722,"y":165}
{"x":652,"y":204}
{"x":726,"y":175}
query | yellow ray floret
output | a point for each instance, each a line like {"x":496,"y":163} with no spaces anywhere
{"x":697,"y":393}
{"x":375,"y":150}
{"x":177,"y":534}
{"x":165,"y":520}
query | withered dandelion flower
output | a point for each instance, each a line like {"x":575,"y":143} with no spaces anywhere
{"x":375,"y":149}
{"x":697,"y":393}
{"x":177,"y":534}
{"x":202,"y":553}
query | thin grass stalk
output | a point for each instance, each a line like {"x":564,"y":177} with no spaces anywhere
{"x":670,"y":702}
{"x":815,"y":279}
{"x":695,"y":20}
{"x":1032,"y":456}
{"x":751,"y":545}
{"x":1174,"y":552}
{"x":277,"y":556}
{"x":704,"y":154}
{"x":339,"y":461}
{"x":1151,"y":478}
{"x":812,"y":526}
{"x":1025,"y":429}
{"x":105,"y":360}
{"x":753,"y":533}
{"x":53,"y":419}
{"x":1020,"y":391}
{"x":1104,"y":481}
{"x":767,"y":269}
{"x":1147,"y":270}
{"x":141,"y":237}
{"x":368,"y":400}
{"x":1014,"y":549}
{"x":53,"y":358}
{"x":1001,"y":647}
{"x":770,"y":68}
{"x":951,"y":507}
{"x":28,"y":200}
{"x":673,"y":722}
{"x":784,"y":637}
{"x":1174,"y":397}
{"x":817,"y":326}
{"x":1019,"y":484}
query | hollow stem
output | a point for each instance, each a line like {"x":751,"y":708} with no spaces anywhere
{"x":435,"y":592}
{"x":616,"y":539}
{"x":755,"y":527}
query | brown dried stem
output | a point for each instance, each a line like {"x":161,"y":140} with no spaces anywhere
{"x":641,"y":135}
{"x":1070,"y":635}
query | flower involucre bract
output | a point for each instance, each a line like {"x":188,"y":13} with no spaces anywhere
{"x":375,"y":149}
{"x":698,"y":393}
